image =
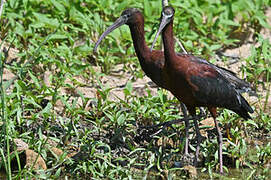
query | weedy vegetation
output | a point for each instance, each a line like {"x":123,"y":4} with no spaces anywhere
{"x":55,"y":99}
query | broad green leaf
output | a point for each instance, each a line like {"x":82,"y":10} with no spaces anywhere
{"x":47,"y":109}
{"x":48,"y":22}
{"x":58,"y":36}
{"x":121,"y":119}
{"x":147,"y":8}
{"x":59,"y":6}
{"x":36,"y":81}
{"x":229,"y":22}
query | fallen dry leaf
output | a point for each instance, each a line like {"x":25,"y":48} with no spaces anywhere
{"x":20,"y":144}
{"x":56,"y":151}
{"x":32,"y":157}
{"x":191,"y":171}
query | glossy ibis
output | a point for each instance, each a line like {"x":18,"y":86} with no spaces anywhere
{"x":198,"y":83}
{"x":152,"y":62}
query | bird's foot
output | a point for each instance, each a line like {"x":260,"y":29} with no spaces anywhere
{"x":187,"y":159}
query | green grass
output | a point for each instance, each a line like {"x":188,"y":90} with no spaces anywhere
{"x":58,"y":37}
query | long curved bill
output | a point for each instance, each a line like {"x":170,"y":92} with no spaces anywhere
{"x":163,"y":22}
{"x":119,"y":22}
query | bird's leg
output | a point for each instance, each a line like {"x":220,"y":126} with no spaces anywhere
{"x":186,"y":120}
{"x":186,"y":136}
{"x":199,"y":138}
{"x":198,"y":135}
{"x":219,"y":139}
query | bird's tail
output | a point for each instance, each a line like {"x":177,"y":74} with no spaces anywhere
{"x":244,"y":109}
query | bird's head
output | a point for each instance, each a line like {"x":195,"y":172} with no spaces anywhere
{"x":167,"y":15}
{"x":128,"y":16}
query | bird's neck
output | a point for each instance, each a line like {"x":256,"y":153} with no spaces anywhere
{"x":138,"y":36}
{"x":168,"y":41}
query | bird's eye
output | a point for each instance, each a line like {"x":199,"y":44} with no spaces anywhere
{"x":127,"y":15}
{"x":168,"y":15}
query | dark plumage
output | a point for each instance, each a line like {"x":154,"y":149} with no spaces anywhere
{"x":198,"y":83}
